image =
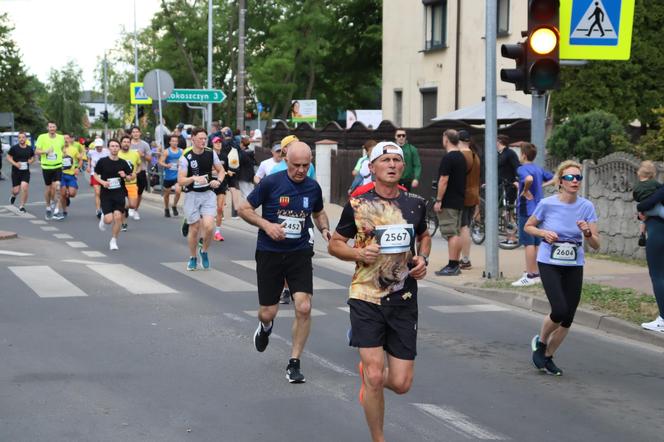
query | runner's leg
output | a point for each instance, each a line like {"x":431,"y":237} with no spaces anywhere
{"x":373,"y":365}
{"x":302,"y":323}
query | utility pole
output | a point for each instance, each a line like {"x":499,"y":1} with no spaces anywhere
{"x":209,"y":73}
{"x":135,"y":61}
{"x":106,"y":99}
{"x":240,"y":66}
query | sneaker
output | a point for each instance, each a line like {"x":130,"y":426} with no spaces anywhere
{"x":525,"y":281}
{"x":98,"y":213}
{"x":642,"y":240}
{"x":58,"y":216}
{"x":262,"y":337}
{"x":12,"y":199}
{"x":448,"y":271}
{"x":205,"y":262}
{"x":49,"y":213}
{"x":656,"y":325}
{"x":175,"y":211}
{"x":538,"y":348}
{"x":184,"y":228}
{"x":113,"y":245}
{"x":68,"y":201}
{"x":551,"y":368}
{"x":285,"y":297}
{"x":509,"y":242}
{"x":293,"y":373}
{"x":167,"y":213}
{"x":22,"y":209}
{"x":53,"y":206}
{"x":124,"y":227}
{"x":217,"y":236}
{"x":360,"y":369}
{"x":237,"y":217}
{"x":465,"y":264}
{"x":102,"y":226}
{"x":136,"y":216}
{"x":192,"y":264}
{"x":131,"y":213}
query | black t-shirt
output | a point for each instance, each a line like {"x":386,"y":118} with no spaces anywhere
{"x":508,"y":163}
{"x":109,"y":170}
{"x":453,"y":165}
{"x":393,"y":224}
{"x":247,"y":163}
{"x":21,"y":154}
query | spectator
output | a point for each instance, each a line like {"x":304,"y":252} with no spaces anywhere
{"x":215,"y":132}
{"x":361,"y":170}
{"x":265,"y":167}
{"x":411,"y":173}
{"x":508,"y":163}
{"x":247,"y":163}
{"x":471,"y":197}
{"x":646,"y":186}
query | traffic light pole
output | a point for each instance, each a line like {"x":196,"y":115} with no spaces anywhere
{"x":538,"y":126}
{"x":105,"y":101}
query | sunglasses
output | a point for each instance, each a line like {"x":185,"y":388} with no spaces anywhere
{"x":570,"y":177}
{"x":401,"y":135}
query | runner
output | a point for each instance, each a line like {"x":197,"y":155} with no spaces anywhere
{"x":385,"y":223}
{"x":20,"y":156}
{"x":284,"y":248}
{"x":49,"y":146}
{"x":169,"y":160}
{"x":220,"y":192}
{"x":563,"y":221}
{"x":72,"y":161}
{"x":145,"y":153}
{"x":133,"y":158}
{"x":110,"y":173}
{"x":195,"y":177}
{"x":94,"y":155}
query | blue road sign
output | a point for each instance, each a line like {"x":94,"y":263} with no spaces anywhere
{"x":259,"y":106}
{"x":595,"y":22}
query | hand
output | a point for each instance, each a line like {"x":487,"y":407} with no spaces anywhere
{"x":105,"y":184}
{"x":76,"y":172}
{"x":369,"y":254}
{"x":641,"y":216}
{"x":415,"y":183}
{"x":276,"y":231}
{"x":229,"y":173}
{"x":215,"y":184}
{"x":327,"y":235}
{"x":583,"y":226}
{"x":200,"y":179}
{"x":419,"y":271}
{"x":550,"y":236}
{"x":527,"y":194}
{"x":122,"y":174}
{"x":438,"y":207}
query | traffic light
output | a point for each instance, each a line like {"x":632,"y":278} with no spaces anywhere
{"x":543,"y":60}
{"x":518,"y":75}
{"x":104,"y":116}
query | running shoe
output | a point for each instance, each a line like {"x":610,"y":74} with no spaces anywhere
{"x":205,"y":261}
{"x":131,"y":213}
{"x":293,"y":372}
{"x":509,"y":242}
{"x":656,"y":325}
{"x":192,"y":264}
{"x":538,"y":348}
{"x":285,"y":296}
{"x":360,"y":369}
{"x":525,"y":281}
{"x":58,"y":216}
{"x":124,"y":227}
{"x":262,"y":337}
{"x":551,"y":368}
{"x":113,"y":245}
{"x":102,"y":226}
{"x":167,"y":213}
{"x":175,"y":211}
{"x":448,"y":271}
{"x":98,"y":213}
{"x":465,"y":264}
{"x":22,"y":209}
{"x":49,"y":213}
{"x":136,"y":216}
{"x":217,"y":236}
{"x":12,"y":199}
{"x":185,"y":227}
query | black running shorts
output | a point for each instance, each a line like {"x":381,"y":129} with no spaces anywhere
{"x":20,"y":176}
{"x":52,"y":176}
{"x":110,"y":202}
{"x":142,"y":181}
{"x":393,"y":327}
{"x":272,"y":268}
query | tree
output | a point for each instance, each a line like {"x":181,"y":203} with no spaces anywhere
{"x":63,"y":104}
{"x":629,"y":89}
{"x":19,"y":91}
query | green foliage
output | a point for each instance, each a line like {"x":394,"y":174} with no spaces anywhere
{"x":651,"y":145}
{"x":19,"y":92}
{"x":629,"y":89}
{"x":63,"y":104}
{"x":588,"y":136}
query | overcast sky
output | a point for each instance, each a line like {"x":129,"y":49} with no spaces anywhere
{"x":52,"y":32}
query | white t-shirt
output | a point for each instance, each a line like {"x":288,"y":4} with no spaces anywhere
{"x":265,"y":167}
{"x":94,"y":156}
{"x":365,"y":172}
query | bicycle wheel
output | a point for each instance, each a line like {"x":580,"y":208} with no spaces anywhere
{"x":477,"y":228}
{"x":508,"y":228}
{"x":432,"y":218}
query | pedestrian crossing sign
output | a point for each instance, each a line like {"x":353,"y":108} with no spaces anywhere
{"x":596,"y":29}
{"x":138,"y":95}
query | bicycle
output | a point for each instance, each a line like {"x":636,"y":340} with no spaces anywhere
{"x":432,"y":217}
{"x":507,"y":222}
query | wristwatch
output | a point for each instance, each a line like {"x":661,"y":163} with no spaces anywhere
{"x":426,"y":260}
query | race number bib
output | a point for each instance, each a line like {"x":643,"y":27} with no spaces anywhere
{"x":23,"y":165}
{"x":173,"y":166}
{"x":114,"y":183}
{"x":394,"y":238}
{"x":67,"y":162}
{"x":201,"y":186}
{"x":564,"y":253}
{"x":293,"y":226}
{"x":52,"y":156}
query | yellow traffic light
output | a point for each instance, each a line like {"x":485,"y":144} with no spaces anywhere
{"x":543,"y":41}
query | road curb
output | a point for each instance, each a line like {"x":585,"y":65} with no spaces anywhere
{"x":589,"y":318}
{"x":7,"y":235}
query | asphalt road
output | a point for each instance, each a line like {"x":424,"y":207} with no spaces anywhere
{"x":127,"y":346}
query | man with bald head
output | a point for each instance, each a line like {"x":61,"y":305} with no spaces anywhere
{"x":284,"y":248}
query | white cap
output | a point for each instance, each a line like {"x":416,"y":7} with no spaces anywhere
{"x":385,"y":147}
{"x":99,"y":142}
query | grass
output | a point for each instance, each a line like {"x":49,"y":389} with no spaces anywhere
{"x":620,"y":259}
{"x":622,"y":303}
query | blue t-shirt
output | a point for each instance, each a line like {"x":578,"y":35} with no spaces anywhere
{"x":540,"y":176}
{"x":560,"y":217}
{"x":289,"y":203}
{"x":172,"y":159}
{"x":282,"y":165}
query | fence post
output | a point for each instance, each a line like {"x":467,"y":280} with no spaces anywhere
{"x":324,"y":150}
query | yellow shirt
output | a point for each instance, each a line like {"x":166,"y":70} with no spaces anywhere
{"x":70,"y":160}
{"x":57,"y":143}
{"x":134,"y":159}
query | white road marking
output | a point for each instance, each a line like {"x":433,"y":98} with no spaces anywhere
{"x":93,"y":254}
{"x":40,"y":222}
{"x":80,"y":261}
{"x":77,"y":244}
{"x":344,"y":309}
{"x":63,"y":236}
{"x":286,"y":313}
{"x":235,"y":317}
{"x":135,"y":282}
{"x":12,"y":253}
{"x":214,"y":278}
{"x":319,"y":283}
{"x":458,"y":422}
{"x":46,"y":282}
{"x":470,"y":308}
{"x":49,"y":229}
{"x":321,"y":360}
{"x":15,"y":211}
{"x":340,"y":266}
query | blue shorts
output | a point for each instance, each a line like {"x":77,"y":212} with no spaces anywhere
{"x":68,"y":181}
{"x":524,"y":238}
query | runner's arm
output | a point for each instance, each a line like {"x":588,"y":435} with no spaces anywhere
{"x":339,"y":248}
{"x":162,"y":159}
{"x":248,"y":213}
{"x":323,"y":224}
{"x":420,"y":261}
{"x":12,"y":162}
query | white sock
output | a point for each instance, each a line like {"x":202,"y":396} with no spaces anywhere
{"x":266,"y":328}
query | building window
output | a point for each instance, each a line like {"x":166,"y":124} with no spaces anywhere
{"x":91,"y":111}
{"x":435,"y":24}
{"x":398,"y":107}
{"x":503,"y":18}
{"x":429,"y":104}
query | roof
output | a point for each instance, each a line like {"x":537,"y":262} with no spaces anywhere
{"x":508,"y":111}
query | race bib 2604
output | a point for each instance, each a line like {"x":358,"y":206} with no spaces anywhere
{"x":563,"y":253}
